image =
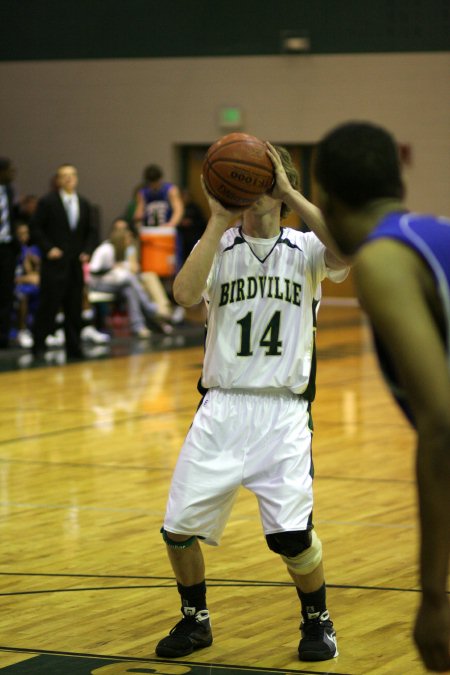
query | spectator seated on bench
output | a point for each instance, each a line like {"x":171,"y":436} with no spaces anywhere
{"x":110,"y":272}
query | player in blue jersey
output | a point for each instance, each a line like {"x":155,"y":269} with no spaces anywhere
{"x":402,"y":277}
{"x":158,"y":202}
{"x":261,"y":283}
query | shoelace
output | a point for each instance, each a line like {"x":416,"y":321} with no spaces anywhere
{"x":184,"y":626}
{"x":314,"y":628}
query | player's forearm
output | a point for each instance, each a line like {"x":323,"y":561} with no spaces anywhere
{"x":305,"y":209}
{"x":312,"y":216}
{"x":191,"y":280}
{"x":433,"y":475}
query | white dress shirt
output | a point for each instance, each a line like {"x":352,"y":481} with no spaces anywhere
{"x":72,"y":206}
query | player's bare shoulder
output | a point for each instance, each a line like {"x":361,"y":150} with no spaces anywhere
{"x":386,"y":259}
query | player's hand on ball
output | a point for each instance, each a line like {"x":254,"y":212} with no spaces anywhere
{"x":282,"y":185}
{"x":216,"y":207}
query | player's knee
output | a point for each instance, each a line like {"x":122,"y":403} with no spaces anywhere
{"x":177,"y":541}
{"x":289,"y":544}
{"x":300,"y":550}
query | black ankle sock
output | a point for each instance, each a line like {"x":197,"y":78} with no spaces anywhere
{"x":193,"y":596}
{"x":313,"y":604}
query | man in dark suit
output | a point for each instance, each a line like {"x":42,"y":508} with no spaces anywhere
{"x":63,"y":228}
{"x":9,"y":248}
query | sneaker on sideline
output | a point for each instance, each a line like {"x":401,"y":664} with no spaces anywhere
{"x":91,"y":334}
{"x":178,"y":314}
{"x":58,"y":339}
{"x":25,"y":339}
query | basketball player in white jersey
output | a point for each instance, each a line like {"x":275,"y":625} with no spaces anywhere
{"x":261,"y":285}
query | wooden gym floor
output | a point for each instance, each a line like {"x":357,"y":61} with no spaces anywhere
{"x":87,"y":452}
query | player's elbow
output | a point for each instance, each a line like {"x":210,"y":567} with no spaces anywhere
{"x":183,"y":295}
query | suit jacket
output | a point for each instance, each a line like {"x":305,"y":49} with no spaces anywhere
{"x":50,"y":227}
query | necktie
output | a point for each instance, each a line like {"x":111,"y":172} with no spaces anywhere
{"x":71,"y":212}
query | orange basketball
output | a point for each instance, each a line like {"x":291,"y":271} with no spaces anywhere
{"x":237,"y":170}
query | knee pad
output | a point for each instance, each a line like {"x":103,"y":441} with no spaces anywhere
{"x":177,"y":544}
{"x":301,"y":551}
{"x":289,"y":544}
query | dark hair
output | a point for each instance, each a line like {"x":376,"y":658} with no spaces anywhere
{"x":358,"y":162}
{"x":5,"y":163}
{"x":152,"y":173}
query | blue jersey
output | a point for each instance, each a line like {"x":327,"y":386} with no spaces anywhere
{"x":157,"y":209}
{"x":429,"y":236}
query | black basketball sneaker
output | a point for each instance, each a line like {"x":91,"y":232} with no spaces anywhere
{"x":318,"y":642}
{"x":191,"y":633}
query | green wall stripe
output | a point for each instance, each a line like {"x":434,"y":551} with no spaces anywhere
{"x":93,"y":29}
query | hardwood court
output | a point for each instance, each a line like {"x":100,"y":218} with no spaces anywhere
{"x":87,"y":452}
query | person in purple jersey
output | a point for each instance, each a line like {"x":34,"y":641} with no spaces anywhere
{"x":402,"y":276}
{"x":158,"y":202}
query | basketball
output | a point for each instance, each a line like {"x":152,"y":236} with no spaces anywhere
{"x":237,"y":170}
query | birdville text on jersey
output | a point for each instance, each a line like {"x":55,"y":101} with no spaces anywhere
{"x":266,"y":286}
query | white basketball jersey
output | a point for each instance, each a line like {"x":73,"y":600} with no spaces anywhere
{"x":262,"y":297}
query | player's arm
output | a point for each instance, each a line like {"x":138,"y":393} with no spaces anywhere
{"x":177,"y":206}
{"x":191,"y":280}
{"x":307,"y":211}
{"x":392,"y":284}
{"x":138,"y":216}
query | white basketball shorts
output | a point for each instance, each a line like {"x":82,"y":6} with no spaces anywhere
{"x":259,"y":440}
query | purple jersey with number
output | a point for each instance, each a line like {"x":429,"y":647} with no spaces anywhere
{"x":157,"y":209}
{"x":429,"y":236}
